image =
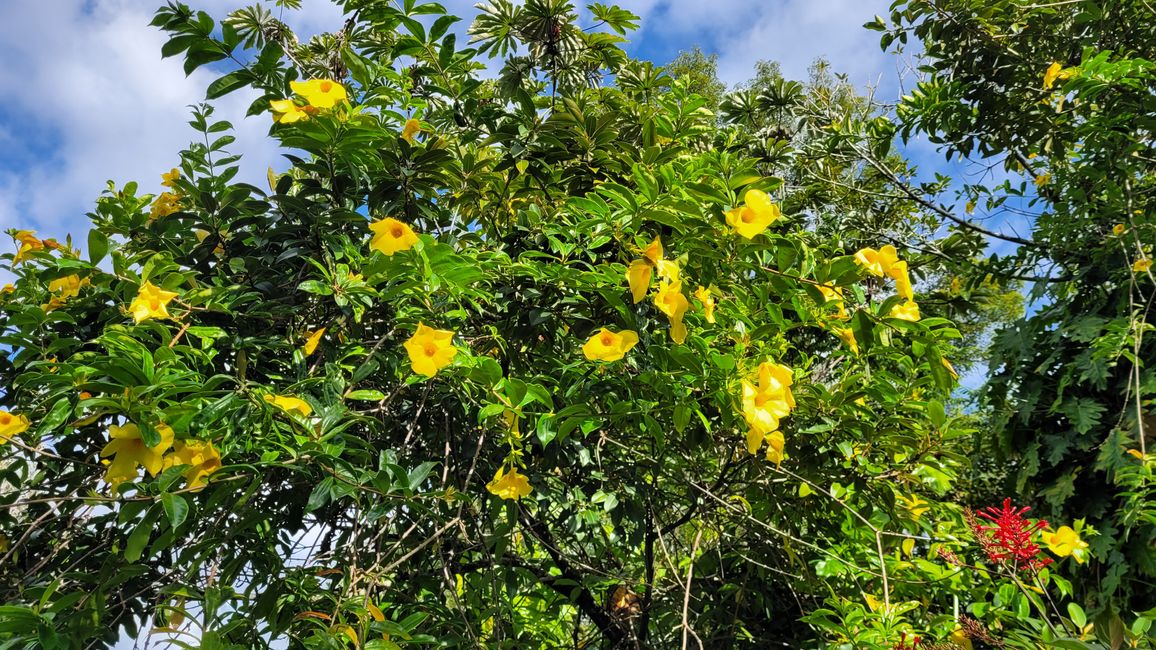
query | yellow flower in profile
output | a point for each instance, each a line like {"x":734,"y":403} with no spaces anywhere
{"x":430,"y":350}
{"x":285,"y":111}
{"x":834,"y":294}
{"x":1118,"y":229}
{"x":702,"y":294}
{"x":671,"y":302}
{"x":1141,"y":265}
{"x":62,"y":289}
{"x":959,"y":637}
{"x":151,"y":302}
{"x":1054,"y":73}
{"x":878,"y":262}
{"x":608,"y":346}
{"x":320,"y":93}
{"x":770,"y":400}
{"x":411,"y":128}
{"x":846,"y":335}
{"x":758,"y":213}
{"x":201,"y":458}
{"x":128,"y":449}
{"x":165,"y":204}
{"x":169,"y":179}
{"x":898,"y":272}
{"x":11,"y":425}
{"x":312,"y":342}
{"x":391,"y":236}
{"x":908,"y":311}
{"x":775,"y":445}
{"x":950,"y":368}
{"x":1043,"y":179}
{"x":1065,"y":541}
{"x":28,"y":244}
{"x":292,"y":405}
{"x":641,"y":270}
{"x":510,"y":485}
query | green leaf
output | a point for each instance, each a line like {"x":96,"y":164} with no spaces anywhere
{"x":176,"y":508}
{"x":1076,"y":613}
{"x":97,"y":246}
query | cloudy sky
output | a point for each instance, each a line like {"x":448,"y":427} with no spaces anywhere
{"x":90,"y":99}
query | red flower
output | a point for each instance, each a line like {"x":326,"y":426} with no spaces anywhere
{"x":902,"y":645}
{"x":1010,"y":539}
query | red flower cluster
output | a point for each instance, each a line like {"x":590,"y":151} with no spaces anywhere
{"x":902,"y":645}
{"x":1010,"y":539}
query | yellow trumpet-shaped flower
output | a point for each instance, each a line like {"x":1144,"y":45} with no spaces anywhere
{"x":847,"y":335}
{"x":1065,"y":541}
{"x":834,"y":294}
{"x":164,"y":204}
{"x":640,"y":271}
{"x":11,"y":425}
{"x":770,"y":400}
{"x":1141,"y":265}
{"x":391,"y":236}
{"x":320,"y":93}
{"x":151,"y":302}
{"x":312,"y":342}
{"x":291,"y":405}
{"x":128,"y":450}
{"x":908,"y":311}
{"x":430,"y":350}
{"x":1054,"y":73}
{"x":702,"y":294}
{"x":775,"y":446}
{"x":510,"y":485}
{"x":950,"y":368}
{"x":62,"y":289}
{"x":608,"y":346}
{"x":671,"y":302}
{"x":898,"y":272}
{"x":169,"y":179}
{"x":28,"y":244}
{"x":758,"y":213}
{"x":201,"y":458}
{"x":285,"y":111}
{"x":411,"y":128}
{"x":1118,"y":229}
{"x":878,"y":262}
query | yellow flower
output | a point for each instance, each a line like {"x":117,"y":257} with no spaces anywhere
{"x":8,"y":288}
{"x":640,"y":271}
{"x":834,"y":294}
{"x":608,"y":346}
{"x":1055,"y":72}
{"x":320,"y":93}
{"x":671,"y":302}
{"x":770,"y":400}
{"x":1064,"y":542}
{"x":908,"y":311}
{"x":755,"y":216}
{"x":28,"y":245}
{"x":151,"y":302}
{"x":846,"y":335}
{"x":1118,"y":229}
{"x":169,"y":179}
{"x":129,"y":451}
{"x":878,"y":262}
{"x":775,"y":444}
{"x":430,"y":350}
{"x":62,"y":289}
{"x":914,"y":505}
{"x":1043,"y":179}
{"x":200,"y":456}
{"x":707,"y":300}
{"x":509,"y":486}
{"x":412,"y":127}
{"x":960,"y":638}
{"x":898,"y":272}
{"x":290,"y":404}
{"x":1141,"y":265}
{"x":11,"y":425}
{"x":391,"y":236}
{"x":287,"y":112}
{"x":312,"y":342}
{"x":165,"y":204}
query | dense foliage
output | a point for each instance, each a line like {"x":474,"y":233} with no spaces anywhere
{"x":547,"y":361}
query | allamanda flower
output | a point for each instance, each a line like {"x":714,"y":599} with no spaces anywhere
{"x":1065,"y":541}
{"x":169,"y":179}
{"x":770,"y":400}
{"x":285,"y":111}
{"x":313,"y":341}
{"x":165,"y":204}
{"x":391,"y":236}
{"x":151,"y":302}
{"x":430,"y":350}
{"x":320,"y":93}
{"x":128,"y":449}
{"x":28,"y":244}
{"x":641,"y":270}
{"x":758,"y":213}
{"x":411,"y":128}
{"x":908,"y":311}
{"x":878,"y":262}
{"x":847,"y":336}
{"x":292,"y":405}
{"x":671,"y":302}
{"x":608,"y":346}
{"x":834,"y":294}
{"x":1141,"y":265}
{"x":62,"y":289}
{"x":201,"y":458}
{"x":702,"y":294}
{"x":11,"y":425}
{"x":510,"y":485}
